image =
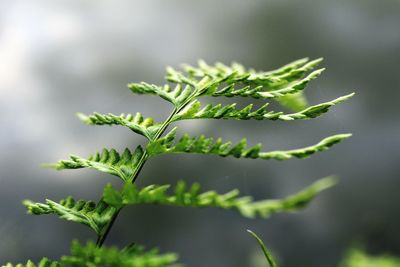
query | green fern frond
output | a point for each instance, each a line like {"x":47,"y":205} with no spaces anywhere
{"x":45,"y":262}
{"x":96,"y":216}
{"x":192,"y":197}
{"x":194,"y":110}
{"x":135,"y":256}
{"x":203,"y":145}
{"x":138,"y":124}
{"x":285,"y":85}
{"x":109,"y":161}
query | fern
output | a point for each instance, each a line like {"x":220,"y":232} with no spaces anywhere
{"x":183,"y":90}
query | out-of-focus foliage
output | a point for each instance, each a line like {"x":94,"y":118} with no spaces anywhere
{"x":359,"y":258}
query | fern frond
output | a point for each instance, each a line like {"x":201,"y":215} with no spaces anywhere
{"x":192,"y":197}
{"x":96,"y":216}
{"x":45,"y":262}
{"x":194,"y":110}
{"x":138,"y":124}
{"x":136,"y":256}
{"x":109,"y":161}
{"x":203,"y":145}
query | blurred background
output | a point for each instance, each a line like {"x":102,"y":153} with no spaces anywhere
{"x":60,"y":57}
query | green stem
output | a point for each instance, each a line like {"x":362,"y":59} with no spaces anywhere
{"x":103,"y":235}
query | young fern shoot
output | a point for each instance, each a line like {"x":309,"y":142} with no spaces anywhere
{"x":184,"y":90}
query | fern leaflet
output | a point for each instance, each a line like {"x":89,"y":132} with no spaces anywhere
{"x":134,"y":256}
{"x":192,"y":197}
{"x":83,"y":212}
{"x":137,"y":123}
{"x":109,"y":161}
{"x":203,"y":145}
{"x":194,"y":111}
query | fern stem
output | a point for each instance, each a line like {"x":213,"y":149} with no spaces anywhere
{"x":102,"y":237}
{"x":145,"y":155}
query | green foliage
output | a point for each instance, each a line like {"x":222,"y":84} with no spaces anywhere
{"x":358,"y":258}
{"x":183,"y":90}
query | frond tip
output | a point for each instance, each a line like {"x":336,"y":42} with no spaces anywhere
{"x":192,"y":196}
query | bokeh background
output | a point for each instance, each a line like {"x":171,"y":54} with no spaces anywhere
{"x":60,"y":57}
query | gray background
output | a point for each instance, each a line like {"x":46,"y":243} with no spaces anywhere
{"x":60,"y":57}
